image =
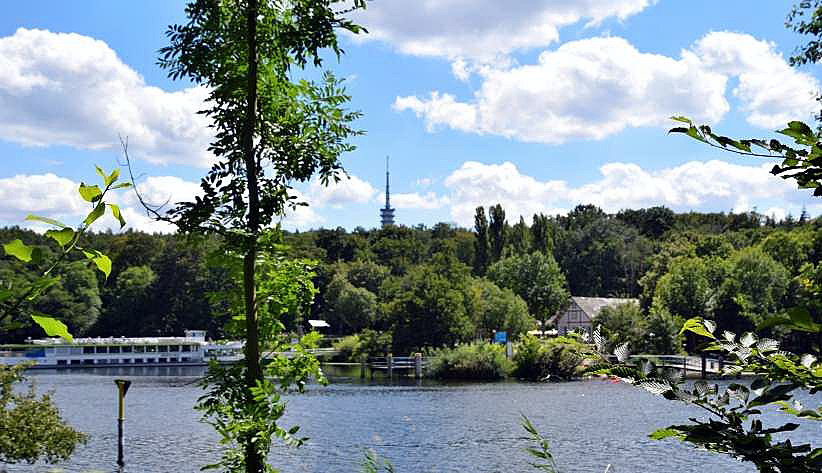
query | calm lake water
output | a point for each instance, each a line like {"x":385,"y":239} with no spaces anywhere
{"x":420,"y":427}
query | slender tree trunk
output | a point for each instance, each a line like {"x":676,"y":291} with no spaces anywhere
{"x":254,"y":463}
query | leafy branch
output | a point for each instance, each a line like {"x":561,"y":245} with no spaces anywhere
{"x":733,"y":427}
{"x":801,"y":161}
{"x":15,"y":301}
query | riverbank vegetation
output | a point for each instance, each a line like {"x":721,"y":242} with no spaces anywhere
{"x":421,"y":285}
{"x":31,"y":427}
{"x":477,"y":361}
{"x":560,"y":358}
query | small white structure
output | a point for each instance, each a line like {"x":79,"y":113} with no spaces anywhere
{"x":318,"y":324}
{"x":581,"y":312}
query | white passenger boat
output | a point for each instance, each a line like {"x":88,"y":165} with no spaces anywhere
{"x":189,"y":350}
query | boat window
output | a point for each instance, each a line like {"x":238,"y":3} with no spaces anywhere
{"x":76,"y":350}
{"x":151,"y":348}
{"x":102,"y":349}
{"x":35,"y":353}
{"x":139,"y":349}
{"x":126,"y":349}
{"x":186,"y":347}
{"x":163,"y":348}
{"x":61,"y":362}
{"x":87,"y":350}
{"x":174,"y":348}
{"x":114,"y":349}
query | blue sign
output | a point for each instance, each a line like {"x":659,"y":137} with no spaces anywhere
{"x":501,"y":337}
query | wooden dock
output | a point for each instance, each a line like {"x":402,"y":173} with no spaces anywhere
{"x":702,"y":365}
{"x":396,"y":364}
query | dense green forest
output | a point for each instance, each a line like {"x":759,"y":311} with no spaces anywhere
{"x":426,"y":287}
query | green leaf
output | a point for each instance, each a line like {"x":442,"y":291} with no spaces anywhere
{"x":50,"y":221}
{"x":113,"y":177}
{"x":101,"y":172}
{"x":115,"y":210}
{"x":694,"y":133}
{"x":95,"y":214}
{"x":19,"y":250}
{"x":800,"y":127}
{"x":100,"y":260}
{"x":682,"y":119}
{"x":796,"y":318}
{"x":660,"y":434}
{"x":62,"y":237}
{"x":696,"y":326}
{"x":90,"y":193}
{"x":122,"y":185}
{"x":53,"y":327}
{"x":40,"y":285}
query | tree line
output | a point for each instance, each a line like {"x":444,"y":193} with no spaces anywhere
{"x":440,"y":285}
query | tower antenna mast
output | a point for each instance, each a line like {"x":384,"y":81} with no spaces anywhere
{"x":387,"y":213}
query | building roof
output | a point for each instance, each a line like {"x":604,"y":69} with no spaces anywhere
{"x":592,"y":305}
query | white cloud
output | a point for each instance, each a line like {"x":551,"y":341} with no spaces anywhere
{"x":46,"y":195}
{"x":476,"y":184}
{"x":777,"y":213}
{"x":302,"y":216}
{"x":56,"y":197}
{"x":771,"y":91}
{"x":442,"y":109}
{"x":163,"y":191}
{"x":424,"y":182}
{"x":593,"y":88}
{"x":70,"y":89}
{"x":461,"y":70}
{"x":703,"y":186}
{"x":415,"y":200}
{"x":692,"y":185}
{"x":483,"y":29}
{"x":137,"y":219}
{"x":348,"y":190}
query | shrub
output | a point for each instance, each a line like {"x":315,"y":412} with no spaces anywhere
{"x":529,"y":359}
{"x":347,"y":347}
{"x":366,"y":344}
{"x":374,"y":343}
{"x":560,"y":358}
{"x":471,"y":361}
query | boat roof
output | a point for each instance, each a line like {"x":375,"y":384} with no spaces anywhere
{"x":119,"y":341}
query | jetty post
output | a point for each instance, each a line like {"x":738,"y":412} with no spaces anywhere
{"x":390,"y":365}
{"x":418,"y":365}
{"x":122,"y":389}
{"x":704,"y":366}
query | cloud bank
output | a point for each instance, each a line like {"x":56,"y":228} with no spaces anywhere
{"x":73,"y":90}
{"x":594,"y":88}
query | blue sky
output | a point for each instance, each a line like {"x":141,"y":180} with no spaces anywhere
{"x":540,"y":106}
